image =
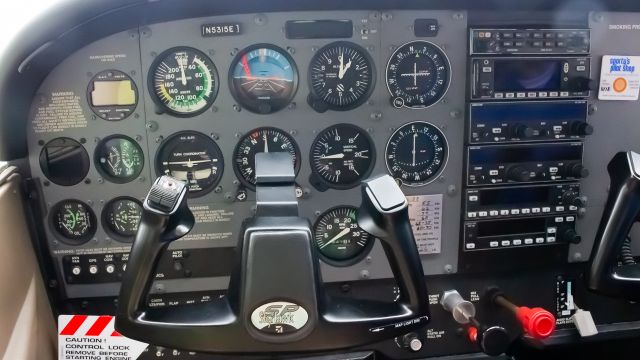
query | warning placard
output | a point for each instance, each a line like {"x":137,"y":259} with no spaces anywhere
{"x":88,"y":337}
{"x":619,"y":78}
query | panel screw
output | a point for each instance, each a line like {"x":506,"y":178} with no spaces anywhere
{"x":159,"y":139}
{"x":291,"y":50}
{"x":374,"y":16}
{"x":386,"y":16}
{"x":293,"y":132}
{"x":215,"y":136}
{"x":87,"y":181}
{"x":458,"y":16}
{"x":364,"y":274}
{"x":234,"y":52}
{"x":153,"y":54}
{"x":214,"y":109}
{"x":448,"y":269}
{"x":292,"y":105}
{"x":218,"y":189}
{"x":260,"y":19}
{"x":451,"y":190}
{"x":314,"y":48}
{"x":236,"y":107}
{"x":592,"y":109}
{"x":577,"y":256}
{"x":211,"y":52}
{"x":100,"y":180}
{"x":138,"y":138}
{"x":454,"y":114}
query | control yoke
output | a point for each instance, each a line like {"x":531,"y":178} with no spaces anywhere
{"x":275,"y":301}
{"x":620,"y":213}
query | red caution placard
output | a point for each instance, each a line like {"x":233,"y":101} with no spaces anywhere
{"x":89,"y":337}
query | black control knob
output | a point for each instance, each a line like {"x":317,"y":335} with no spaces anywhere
{"x":518,"y":173}
{"x":569,"y":235}
{"x":573,"y":198}
{"x":580,"y":84}
{"x":493,"y":340}
{"x":522,"y":131}
{"x":581,"y":128}
{"x":577,"y":171}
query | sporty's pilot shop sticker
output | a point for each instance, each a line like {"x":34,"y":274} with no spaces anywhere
{"x":619,"y":77}
{"x":83,"y":337}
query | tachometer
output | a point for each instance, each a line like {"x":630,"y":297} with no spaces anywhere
{"x":418,"y":75}
{"x":192,"y":157}
{"x":264,"y":139}
{"x":341,"y":77}
{"x":342,"y":155}
{"x":73,"y":221}
{"x":263,"y":78}
{"x":184,"y":81}
{"x":416,"y":153}
{"x":121,"y":217}
{"x":339,"y":239}
{"x":119,"y":158}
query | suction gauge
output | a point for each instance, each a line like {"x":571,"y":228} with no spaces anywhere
{"x":119,"y":159}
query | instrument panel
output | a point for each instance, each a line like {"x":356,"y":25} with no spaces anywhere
{"x":369,"y":98}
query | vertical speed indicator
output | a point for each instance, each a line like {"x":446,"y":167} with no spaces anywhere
{"x":184,"y":81}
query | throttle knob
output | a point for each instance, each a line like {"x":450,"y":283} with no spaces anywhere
{"x":518,"y":173}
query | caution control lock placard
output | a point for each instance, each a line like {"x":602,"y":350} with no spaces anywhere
{"x":88,"y":337}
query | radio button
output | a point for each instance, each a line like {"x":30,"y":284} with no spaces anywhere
{"x":525,"y":211}
{"x":561,"y":44}
{"x":504,"y":212}
{"x":537,"y":35}
{"x":471,"y":214}
{"x":515,"y":211}
{"x":496,"y":130}
{"x":549,"y":44}
{"x":486,"y":69}
{"x":519,"y":44}
{"x":581,"y":68}
{"x":493,"y":212}
{"x":507,"y":35}
{"x":520,"y":95}
{"x":521,"y":35}
{"x":570,"y":218}
{"x":573,"y":207}
{"x":494,"y":244}
{"x":509,"y":95}
{"x":559,"y":208}
{"x":542,"y":94}
{"x":532,"y":94}
{"x":517,"y":242}
{"x":498,"y":95}
{"x":528,"y":241}
{"x":551,"y":239}
{"x":493,"y":172}
{"x":546,"y":209}
{"x":551,"y":230}
{"x":559,"y":219}
{"x":473,"y":197}
{"x":539,"y":240}
{"x":550,"y":35}
{"x":470,"y":246}
{"x":505,"y":243}
{"x":536,"y":43}
{"x":507,"y":43}
{"x":553,"y":93}
{"x":535,"y":210}
{"x":564,"y":93}
{"x":482,"y":213}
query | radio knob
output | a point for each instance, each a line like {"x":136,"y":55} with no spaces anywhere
{"x":569,"y":235}
{"x":581,"y":128}
{"x":523,"y":131}
{"x":574,"y":199}
{"x":577,"y":171}
{"x":518,"y":173}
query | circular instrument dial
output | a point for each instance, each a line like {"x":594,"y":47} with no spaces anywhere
{"x":121,"y":217}
{"x":341,"y":75}
{"x":64,"y":161}
{"x":73,"y":221}
{"x":263,"y":78}
{"x":418,"y":75}
{"x":342,"y":155}
{"x":416,"y":153}
{"x":192,"y":157}
{"x":339,"y":239}
{"x":264,"y":139}
{"x":184,"y":81}
{"x":119,"y":158}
